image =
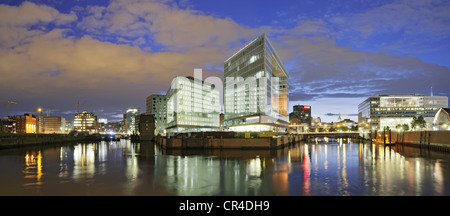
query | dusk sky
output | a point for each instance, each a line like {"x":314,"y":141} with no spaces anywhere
{"x":113,"y":54}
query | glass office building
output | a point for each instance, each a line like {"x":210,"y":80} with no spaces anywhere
{"x":377,"y":112}
{"x":256,"y":89}
{"x":131,"y":114}
{"x":192,"y":106}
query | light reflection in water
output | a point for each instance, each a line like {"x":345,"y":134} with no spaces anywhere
{"x":324,"y":167}
{"x":33,"y":170}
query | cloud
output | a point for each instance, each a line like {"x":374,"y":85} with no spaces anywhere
{"x":28,"y":20}
{"x":174,"y":28}
{"x":404,"y":23}
{"x":128,"y":50}
{"x":321,"y":68}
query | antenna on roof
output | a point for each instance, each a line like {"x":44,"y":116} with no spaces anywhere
{"x":431,"y":90}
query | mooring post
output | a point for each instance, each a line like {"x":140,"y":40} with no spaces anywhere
{"x":390,"y":142}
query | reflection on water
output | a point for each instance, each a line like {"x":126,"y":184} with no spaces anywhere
{"x":33,"y":170}
{"x":324,"y":167}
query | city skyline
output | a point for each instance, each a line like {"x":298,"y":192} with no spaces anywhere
{"x":111,"y":55}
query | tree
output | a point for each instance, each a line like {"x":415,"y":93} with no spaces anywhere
{"x":418,"y":121}
{"x":405,"y":127}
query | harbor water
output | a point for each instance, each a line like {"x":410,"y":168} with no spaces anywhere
{"x":321,"y":167}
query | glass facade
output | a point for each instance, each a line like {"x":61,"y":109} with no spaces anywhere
{"x":132,"y":112}
{"x":379,"y":111}
{"x":192,"y":106}
{"x":256,"y":89}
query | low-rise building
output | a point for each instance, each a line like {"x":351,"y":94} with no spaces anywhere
{"x":26,"y":123}
{"x":145,"y":126}
{"x":441,"y":120}
{"x":379,"y":111}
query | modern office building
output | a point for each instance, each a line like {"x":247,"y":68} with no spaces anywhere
{"x":131,"y":114}
{"x":85,"y":122}
{"x":256,"y":89}
{"x":157,"y":105}
{"x":26,"y":123}
{"x":379,"y":111}
{"x":192,"y":106}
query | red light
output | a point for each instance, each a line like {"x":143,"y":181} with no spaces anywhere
{"x":306,"y":107}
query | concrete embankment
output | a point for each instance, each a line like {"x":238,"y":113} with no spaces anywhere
{"x":436,"y":140}
{"x":228,"y":142}
{"x":22,"y":140}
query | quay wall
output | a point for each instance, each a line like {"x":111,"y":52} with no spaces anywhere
{"x":437,"y":140}
{"x":22,"y":140}
{"x":228,"y":143}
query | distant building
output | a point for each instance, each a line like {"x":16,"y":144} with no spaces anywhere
{"x":441,"y":120}
{"x":342,"y":124}
{"x":26,"y":123}
{"x":256,"y":89}
{"x":7,"y":125}
{"x":123,"y":124}
{"x":51,"y":124}
{"x":113,"y":127}
{"x":145,"y":126}
{"x":301,"y":113}
{"x":85,"y":122}
{"x":377,"y":112}
{"x":192,"y":106}
{"x":157,"y":105}
{"x":131,"y":114}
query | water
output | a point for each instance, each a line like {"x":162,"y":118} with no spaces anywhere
{"x":320,"y":168}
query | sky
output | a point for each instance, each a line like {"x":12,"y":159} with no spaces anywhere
{"x":111,"y":55}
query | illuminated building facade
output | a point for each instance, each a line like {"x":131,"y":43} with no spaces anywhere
{"x":26,"y":123}
{"x":157,"y":105}
{"x":131,"y":114}
{"x":51,"y":124}
{"x":441,"y":120}
{"x":192,"y":106}
{"x":256,"y":89}
{"x":300,"y":119}
{"x":377,"y":112}
{"x":85,"y":122}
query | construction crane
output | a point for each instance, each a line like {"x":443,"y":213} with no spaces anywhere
{"x":40,"y":110}
{"x":78,"y":105}
{"x":7,"y":105}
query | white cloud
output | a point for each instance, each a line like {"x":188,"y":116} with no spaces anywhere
{"x":16,"y":22}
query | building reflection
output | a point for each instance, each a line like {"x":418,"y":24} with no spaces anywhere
{"x":86,"y":161}
{"x":33,"y":170}
{"x":323,"y":167}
